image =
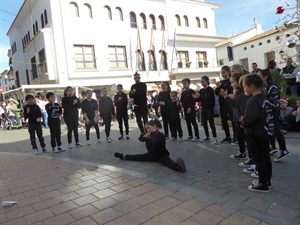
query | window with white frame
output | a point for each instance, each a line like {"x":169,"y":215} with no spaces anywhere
{"x":117,"y":57}
{"x":84,"y":56}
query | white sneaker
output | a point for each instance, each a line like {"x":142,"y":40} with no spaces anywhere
{"x":173,"y":139}
{"x":99,"y":141}
{"x":60,"y":148}
{"x":251,"y":169}
{"x":70,"y":146}
{"x":215,"y":142}
{"x":78,"y":144}
{"x":127,"y":137}
{"x":180,"y":139}
{"x":88,"y":143}
{"x":45,"y":150}
{"x":196,"y":139}
{"x":36,"y":151}
{"x":55,"y":150}
{"x":109,"y":139}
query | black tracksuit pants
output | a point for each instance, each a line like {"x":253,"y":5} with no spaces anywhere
{"x":55,"y":132}
{"x":122,"y":116}
{"x":72,"y":124}
{"x":36,"y":128}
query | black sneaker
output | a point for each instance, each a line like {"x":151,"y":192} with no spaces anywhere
{"x":259,"y":187}
{"x":119,"y":155}
{"x":121,"y":137}
{"x":206,"y":139}
{"x":181,"y":164}
{"x":283,"y":154}
{"x":247,"y":163}
{"x":226,"y":140}
{"x":239,"y":156}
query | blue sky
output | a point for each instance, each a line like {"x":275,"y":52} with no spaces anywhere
{"x":232,"y":17}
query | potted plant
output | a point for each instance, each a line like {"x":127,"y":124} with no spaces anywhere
{"x":221,"y":62}
{"x":205,"y":62}
{"x":188,"y":64}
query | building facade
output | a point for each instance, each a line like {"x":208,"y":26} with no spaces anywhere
{"x":101,"y":43}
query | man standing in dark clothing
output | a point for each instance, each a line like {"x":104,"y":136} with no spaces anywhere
{"x":121,"y":101}
{"x":138,"y":93}
{"x":289,"y":74}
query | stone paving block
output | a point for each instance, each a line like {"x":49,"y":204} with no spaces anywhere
{"x":67,"y":197}
{"x":19,"y":190}
{"x":28,"y":201}
{"x":104,"y":193}
{"x":177,"y":214}
{"x":121,"y":187}
{"x":87,"y":183}
{"x":123,"y":196}
{"x":160,"y":192}
{"x":69,"y":188}
{"x":106,"y":215}
{"x":189,"y":222}
{"x":38,"y":216}
{"x":54,"y":187}
{"x":204,"y":217}
{"x":34,"y":192}
{"x":167,"y":202}
{"x":51,"y":194}
{"x":86,"y":191}
{"x":127,"y":206}
{"x":58,"y":180}
{"x":64,"y":207}
{"x":132,"y":218}
{"x":4,"y":194}
{"x":181,"y":196}
{"x":83,"y":211}
{"x":44,"y":204}
{"x":19,"y":221}
{"x":105,"y":203}
{"x":35,"y":185}
{"x":2,"y":217}
{"x":283,"y":212}
{"x":84,"y":221}
{"x":136,"y":182}
{"x":19,"y":212}
{"x":90,"y":198}
{"x":259,"y":203}
{"x":219,"y":210}
{"x":238,"y":219}
{"x":151,"y":210}
{"x":61,"y":219}
{"x":159,"y":220}
{"x":145,"y":199}
{"x":73,"y":181}
{"x":194,"y":205}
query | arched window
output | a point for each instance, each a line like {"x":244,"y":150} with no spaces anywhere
{"x":205,"y":23}
{"x":140,"y":60}
{"x":36,"y":26}
{"x":162,"y":22}
{"x":144,"y":22}
{"x":178,"y":20}
{"x":152,"y":18}
{"x":108,"y":13}
{"x":33,"y":29}
{"x":152,"y":60}
{"x":198,"y":22}
{"x":133,"y":23}
{"x":45,"y":17}
{"x":42,"y":20}
{"x":120,"y":13}
{"x":163,"y":60}
{"x":28,"y":35}
{"x":73,"y":8}
{"x":23,"y":44}
{"x":87,"y":11}
{"x":186,"y":21}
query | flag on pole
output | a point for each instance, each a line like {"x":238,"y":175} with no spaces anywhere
{"x":152,"y":45}
{"x":174,"y":44}
{"x":139,"y":46}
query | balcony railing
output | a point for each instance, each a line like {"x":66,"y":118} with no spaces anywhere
{"x":42,"y":68}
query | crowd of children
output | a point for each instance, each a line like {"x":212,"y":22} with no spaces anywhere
{"x":251,"y":101}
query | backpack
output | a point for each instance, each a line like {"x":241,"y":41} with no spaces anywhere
{"x":268,"y":116}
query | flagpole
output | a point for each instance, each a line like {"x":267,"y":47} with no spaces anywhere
{"x":173,"y":51}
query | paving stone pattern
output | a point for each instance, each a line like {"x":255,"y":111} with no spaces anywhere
{"x":89,"y":186}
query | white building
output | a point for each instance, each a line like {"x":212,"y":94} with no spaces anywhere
{"x":100,"y":43}
{"x":262,"y":48}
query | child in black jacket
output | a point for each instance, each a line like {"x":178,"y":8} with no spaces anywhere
{"x":156,"y":146}
{"x":33,"y":113}
{"x":121,"y":102}
{"x":54,"y":111}
{"x":106,"y":108}
{"x":71,"y":104}
{"x":258,"y":121}
{"x":175,"y":123}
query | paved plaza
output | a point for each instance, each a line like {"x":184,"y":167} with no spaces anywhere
{"x":87,"y":186}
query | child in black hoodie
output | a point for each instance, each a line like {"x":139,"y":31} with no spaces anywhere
{"x":33,"y":113}
{"x":54,"y":111}
{"x":156,"y":146}
{"x":71,"y":104}
{"x":106,"y":108}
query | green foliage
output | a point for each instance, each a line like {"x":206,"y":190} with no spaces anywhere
{"x":278,"y":80}
{"x":293,"y":100}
